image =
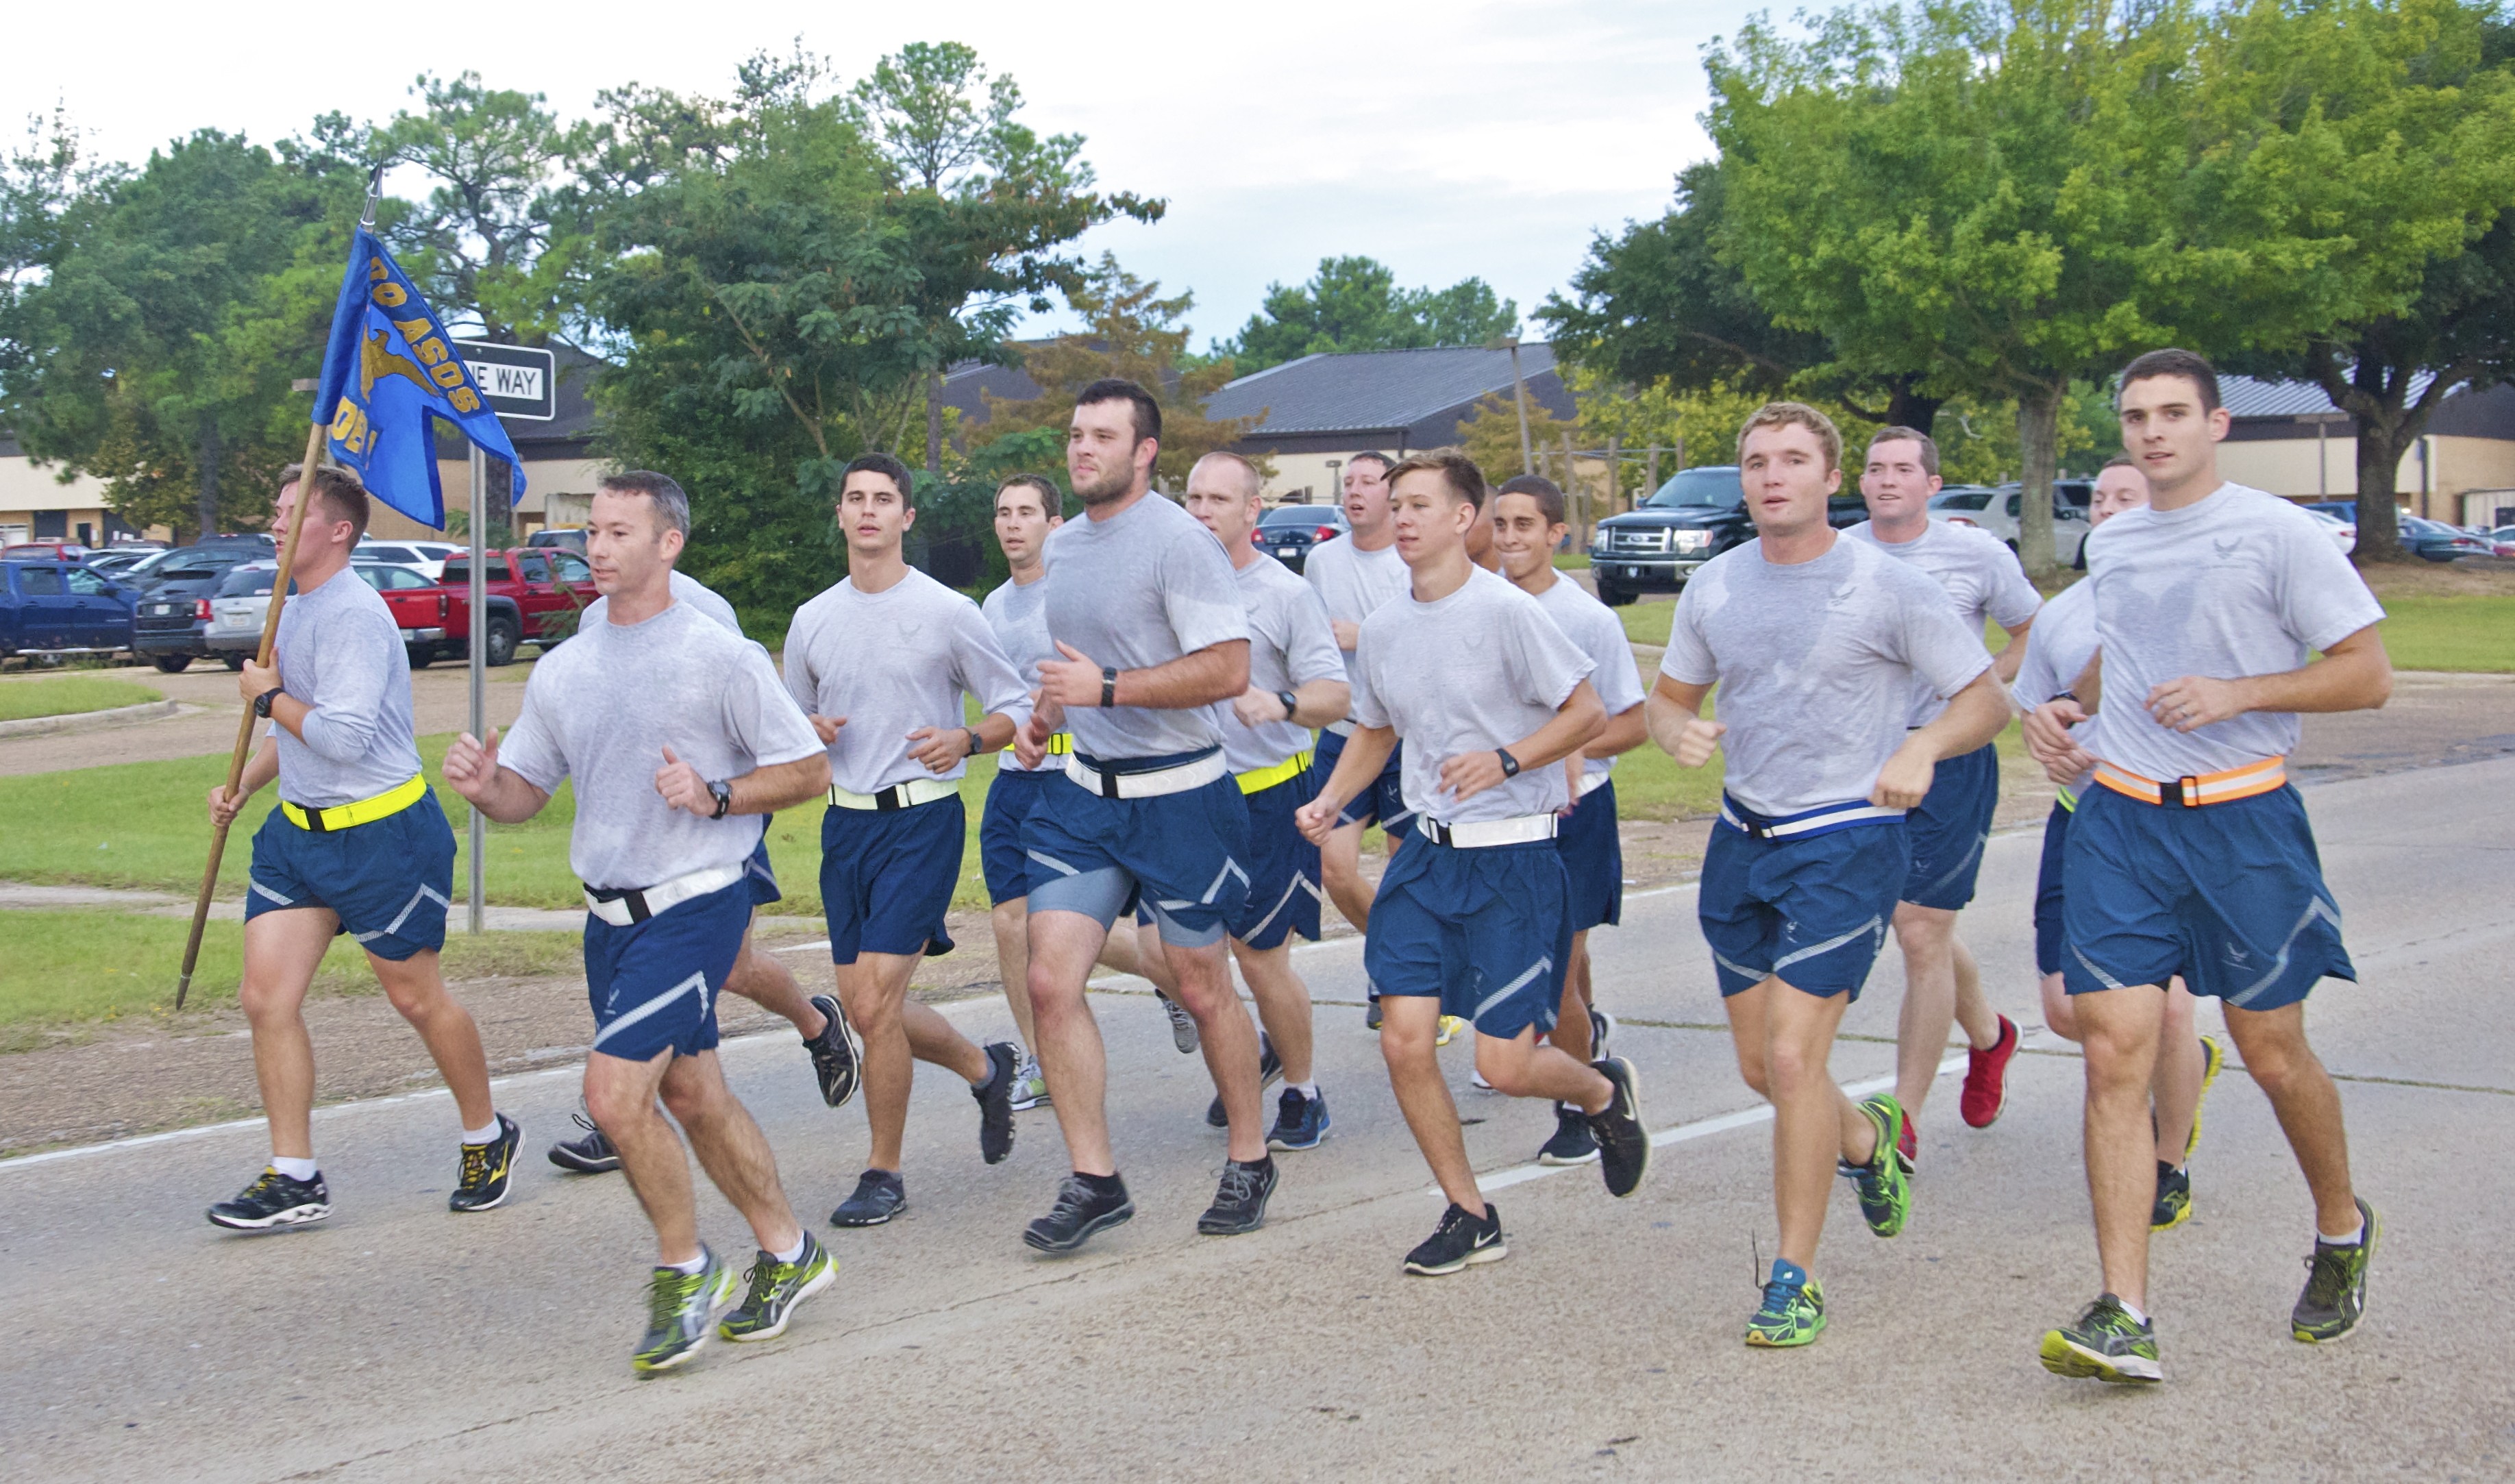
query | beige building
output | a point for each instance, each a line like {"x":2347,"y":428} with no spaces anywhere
{"x":36,"y":506}
{"x":2289,"y":439}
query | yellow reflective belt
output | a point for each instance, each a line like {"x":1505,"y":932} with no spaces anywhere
{"x":1260,"y":779}
{"x":1061,"y":745}
{"x":2068,"y":800}
{"x":342,"y":816}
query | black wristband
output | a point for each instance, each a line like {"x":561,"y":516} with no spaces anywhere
{"x":262,"y":702}
{"x":1108,"y":686}
{"x":1291,"y":703}
{"x":1510,"y":764}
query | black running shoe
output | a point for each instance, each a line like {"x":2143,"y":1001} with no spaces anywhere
{"x":1182,"y":1024}
{"x":272,"y":1200}
{"x":1300,"y":1122}
{"x":1624,"y":1144}
{"x":2173,"y":1198}
{"x":590,"y":1155}
{"x":838,"y":1056}
{"x":880,"y":1195}
{"x":2335,"y":1284}
{"x":1270,"y":1070}
{"x":996,"y":1102}
{"x":1371,"y":1017}
{"x":1459,"y":1241}
{"x":1078,"y":1212}
{"x":487,"y":1170}
{"x":1240,"y":1200}
{"x":1602,"y":1028}
{"x":1573,"y":1144}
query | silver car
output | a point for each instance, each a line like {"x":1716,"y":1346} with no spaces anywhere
{"x":1995,"y":509}
{"x":243,"y":598}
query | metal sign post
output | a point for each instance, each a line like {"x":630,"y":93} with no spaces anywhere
{"x":479,"y":646}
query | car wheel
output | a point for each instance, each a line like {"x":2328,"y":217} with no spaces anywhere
{"x":502,"y":640}
{"x":233,"y":662}
{"x":172,"y":664}
{"x":419,"y":658}
{"x":1614,"y":596}
{"x":2078,"y":560}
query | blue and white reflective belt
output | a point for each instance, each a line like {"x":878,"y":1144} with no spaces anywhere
{"x":1823,"y":819}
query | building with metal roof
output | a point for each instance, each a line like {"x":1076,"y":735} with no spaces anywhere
{"x":2289,"y":438}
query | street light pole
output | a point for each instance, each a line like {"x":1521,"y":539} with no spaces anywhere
{"x":1519,"y":392}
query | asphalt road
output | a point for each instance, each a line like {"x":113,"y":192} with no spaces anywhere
{"x":400,"y":1341}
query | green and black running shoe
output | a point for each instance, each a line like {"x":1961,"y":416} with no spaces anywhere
{"x":2335,"y":1285}
{"x":2173,"y":1198}
{"x":1793,"y":1312}
{"x":2106,"y":1343}
{"x":776,"y":1289}
{"x":2214,"y":1060}
{"x":489,"y":1170}
{"x":1885,"y":1189}
{"x":681,"y":1308}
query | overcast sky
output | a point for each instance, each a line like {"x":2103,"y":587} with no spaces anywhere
{"x":1470,"y":137}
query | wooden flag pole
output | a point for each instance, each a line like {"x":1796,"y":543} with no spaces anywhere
{"x":314,"y":442}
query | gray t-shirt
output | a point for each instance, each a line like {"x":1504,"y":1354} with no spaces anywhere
{"x":890,"y":662}
{"x":1815,"y":661}
{"x":687,"y":590}
{"x":1594,"y":627}
{"x":1145,"y":586}
{"x":2240,"y":584}
{"x":1290,"y":646}
{"x":1470,"y":673}
{"x":1019,"y":615}
{"x":1981,"y":575}
{"x":339,"y":651}
{"x":1353,"y":583}
{"x":2057,"y":650}
{"x":604,"y":707}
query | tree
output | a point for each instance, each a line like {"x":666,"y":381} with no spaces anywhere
{"x":1354,"y":303}
{"x":43,"y":183}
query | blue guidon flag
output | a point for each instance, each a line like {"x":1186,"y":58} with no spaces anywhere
{"x":389,"y":369}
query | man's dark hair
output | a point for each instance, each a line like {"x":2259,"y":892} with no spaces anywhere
{"x":1900,"y":434}
{"x":341,"y":493}
{"x":671,"y":506}
{"x":2183,"y":363}
{"x":1116,"y":388}
{"x":1546,"y":492}
{"x":890,"y":469}
{"x":1384,"y":462}
{"x":1457,"y":470}
{"x":1051,"y":504}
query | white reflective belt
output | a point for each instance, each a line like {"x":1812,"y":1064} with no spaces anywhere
{"x":900,"y":796}
{"x":1591,"y":783}
{"x":635,"y":906}
{"x":1153,"y":785}
{"x":1340,"y":728}
{"x":1519,"y":830}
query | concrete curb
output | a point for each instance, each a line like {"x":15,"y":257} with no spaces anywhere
{"x":89,"y":720}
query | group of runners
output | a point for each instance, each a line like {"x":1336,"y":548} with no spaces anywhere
{"x":1153,"y":679}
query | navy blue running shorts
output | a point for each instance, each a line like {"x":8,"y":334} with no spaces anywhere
{"x":1813,"y":909}
{"x":2049,"y":895}
{"x":1593,"y":860}
{"x":389,"y":881}
{"x":1180,"y":857}
{"x":1383,"y":800}
{"x":887,"y":877}
{"x":653,"y":984}
{"x":1010,"y":801}
{"x":1949,"y":828}
{"x":1283,"y":897}
{"x":759,"y":872}
{"x":1483,"y":931}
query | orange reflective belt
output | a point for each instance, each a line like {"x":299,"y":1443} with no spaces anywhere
{"x":2193,"y":791}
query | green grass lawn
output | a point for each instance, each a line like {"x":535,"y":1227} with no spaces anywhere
{"x":70,"y":695}
{"x":2451,"y":632}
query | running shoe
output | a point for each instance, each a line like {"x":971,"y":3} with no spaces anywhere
{"x":838,"y":1056}
{"x":489,"y":1170}
{"x":1300,"y":1122}
{"x":1602,"y":1028}
{"x":1371,"y":1017}
{"x":2214,"y":1060}
{"x":1793,"y":1313}
{"x":1986,"y":1078}
{"x":1573,"y":1144}
{"x":2335,"y":1284}
{"x":1030,"y":1084}
{"x":680,"y":1309}
{"x":1270,"y":1070}
{"x":1624,"y":1144}
{"x":1240,"y":1200}
{"x":1907,"y":1146}
{"x":1459,"y":1241}
{"x":776,"y":1289}
{"x":2106,"y":1343}
{"x":880,"y":1194}
{"x":272,"y":1200}
{"x":1078,"y":1212}
{"x":590,"y":1155}
{"x":1477,"y":1080}
{"x":1182,"y":1024}
{"x":1449,"y":1028}
{"x":1885,"y":1191}
{"x":2173,"y":1198}
{"x":996,"y":1102}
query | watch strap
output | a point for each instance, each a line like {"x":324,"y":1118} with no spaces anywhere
{"x":1108,"y":686}
{"x":1291,"y":703}
{"x":1510,"y":764}
{"x":262,"y":702}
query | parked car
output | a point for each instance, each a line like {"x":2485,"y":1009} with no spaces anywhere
{"x":1290,"y":531}
{"x":426,"y":557}
{"x":2433,"y":540}
{"x":570,"y":538}
{"x":243,"y":600}
{"x":1693,"y":517}
{"x":48,"y":549}
{"x":174,"y":610}
{"x":436,"y":621}
{"x":535,"y":595}
{"x":50,"y":606}
{"x":2344,"y":533}
{"x":1995,"y":508}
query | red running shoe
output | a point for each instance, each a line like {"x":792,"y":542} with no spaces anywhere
{"x":1986,"y":1084}
{"x":1908,"y":1145}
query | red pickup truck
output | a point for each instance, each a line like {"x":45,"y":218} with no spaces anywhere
{"x":533,"y":597}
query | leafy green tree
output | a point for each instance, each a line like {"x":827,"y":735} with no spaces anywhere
{"x":1354,"y":303}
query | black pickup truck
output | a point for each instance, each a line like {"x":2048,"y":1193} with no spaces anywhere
{"x":1695,"y":516}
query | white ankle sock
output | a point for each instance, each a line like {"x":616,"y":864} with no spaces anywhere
{"x":794,"y":1252}
{"x":690,"y":1267}
{"x":1310,"y":1091}
{"x":2355,"y":1235}
{"x":2133,"y":1310}
{"x":294,"y":1169}
{"x":486,"y":1134}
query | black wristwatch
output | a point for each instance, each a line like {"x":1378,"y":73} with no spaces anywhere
{"x":723,"y":789}
{"x":974,"y":747}
{"x":1291,"y":703}
{"x":1510,"y":764}
{"x":262,"y":702}
{"x":1108,"y":686}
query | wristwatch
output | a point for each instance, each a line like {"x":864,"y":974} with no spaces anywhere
{"x":723,"y":789}
{"x":262,"y":702}
{"x":1510,"y":764}
{"x":974,"y":747}
{"x":1108,"y":685}
{"x":1291,"y":703}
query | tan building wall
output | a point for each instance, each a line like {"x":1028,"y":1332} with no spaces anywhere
{"x":26,"y":487}
{"x":556,"y":493}
{"x":2308,"y":468}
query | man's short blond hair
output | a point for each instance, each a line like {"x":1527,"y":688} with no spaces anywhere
{"x":1255,"y":482}
{"x":1795,"y":415}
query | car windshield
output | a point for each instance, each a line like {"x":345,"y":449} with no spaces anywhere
{"x":1299,"y":515}
{"x":1715,"y":487}
{"x":247,"y":582}
{"x":1962,"y":499}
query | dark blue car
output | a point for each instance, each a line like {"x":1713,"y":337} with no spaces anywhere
{"x":60,"y":607}
{"x":2433,"y":540}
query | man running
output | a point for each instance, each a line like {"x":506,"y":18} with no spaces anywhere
{"x":1354,"y":574}
{"x":1817,"y":644}
{"x":679,"y":737}
{"x":2191,"y":855}
{"x":759,"y":975}
{"x":880,"y":662}
{"x":1470,"y":919}
{"x":2058,"y":650}
{"x":357,"y":846}
{"x":1942,"y":983}
{"x":1295,"y":681}
{"x":1529,"y":526}
{"x":1145,"y":611}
